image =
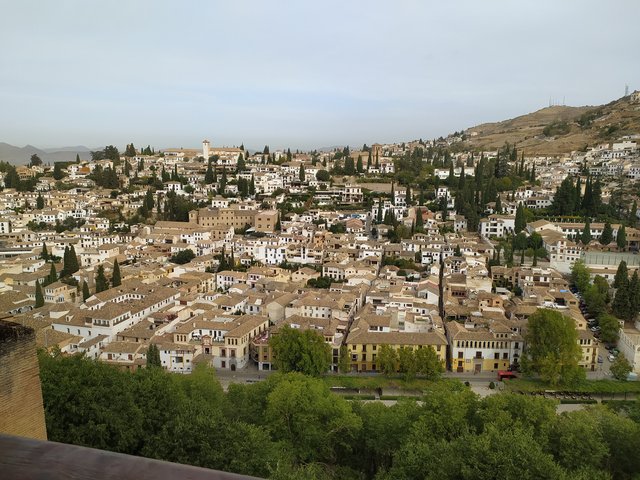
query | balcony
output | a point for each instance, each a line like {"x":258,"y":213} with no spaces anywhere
{"x":27,"y":458}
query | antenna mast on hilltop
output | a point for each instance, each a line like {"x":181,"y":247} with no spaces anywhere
{"x":626,"y":90}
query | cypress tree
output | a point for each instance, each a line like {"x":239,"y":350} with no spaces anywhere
{"x":621,"y":238}
{"x":39,"y":202}
{"x":359,"y":167}
{"x":44,"y":254}
{"x":607,"y":234}
{"x":586,"y":232}
{"x":39,"y":295}
{"x":85,"y":291}
{"x":634,"y":295}
{"x":499,"y":205}
{"x":393,"y":194}
{"x":587,"y":199}
{"x":153,"y":356}
{"x":621,"y":305}
{"x":379,"y":214}
{"x":369,"y":161}
{"x":408,"y":196}
{"x":208,"y":177}
{"x":115,"y":278}
{"x":419,"y":220}
{"x":53,"y":275}
{"x":223,"y":180}
{"x":73,"y":260}
{"x":65,"y":263}
{"x":102,"y":283}
{"x":622,"y":275}
{"x":301,"y":173}
{"x":461,"y":180}
{"x":520,"y":221}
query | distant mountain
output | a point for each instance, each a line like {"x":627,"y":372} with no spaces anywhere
{"x":22,"y":155}
{"x":77,"y":148}
{"x":560,"y":129}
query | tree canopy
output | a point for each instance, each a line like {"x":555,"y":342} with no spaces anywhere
{"x":300,"y":351}
{"x":553,"y":351}
{"x":291,"y":426}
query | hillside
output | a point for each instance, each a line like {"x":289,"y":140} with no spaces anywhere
{"x":559,"y":129}
{"x":22,"y":155}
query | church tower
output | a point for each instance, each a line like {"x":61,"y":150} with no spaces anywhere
{"x":205,"y":149}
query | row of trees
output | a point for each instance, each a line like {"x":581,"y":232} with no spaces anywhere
{"x":422,"y":361}
{"x":291,"y":426}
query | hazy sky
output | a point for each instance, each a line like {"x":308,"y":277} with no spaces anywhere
{"x":300,"y":73}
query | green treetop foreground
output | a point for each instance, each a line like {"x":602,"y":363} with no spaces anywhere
{"x":291,"y":426}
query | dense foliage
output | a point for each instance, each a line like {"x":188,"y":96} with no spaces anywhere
{"x":553,"y":351}
{"x":291,"y":427}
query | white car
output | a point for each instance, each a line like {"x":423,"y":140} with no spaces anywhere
{"x":611,"y":358}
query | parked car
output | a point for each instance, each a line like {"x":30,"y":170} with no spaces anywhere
{"x":600,"y":359}
{"x":611,"y":358}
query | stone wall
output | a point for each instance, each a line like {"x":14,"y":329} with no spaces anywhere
{"x":21,"y":409}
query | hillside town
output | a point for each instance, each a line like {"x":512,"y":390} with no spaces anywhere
{"x":206,"y":254}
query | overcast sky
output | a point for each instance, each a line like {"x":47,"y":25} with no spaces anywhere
{"x":299,"y":73}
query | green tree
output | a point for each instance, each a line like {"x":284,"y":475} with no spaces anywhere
{"x":44,"y":254}
{"x":208,"y":177}
{"x":39,"y":296}
{"x":116,"y":281}
{"x":101,"y":281}
{"x":300,"y":351}
{"x":74,"y":264}
{"x":183,"y":256}
{"x":388,"y":360}
{"x":301,"y":173}
{"x":595,"y":300}
{"x":241,"y":163}
{"x":621,"y":306}
{"x":223,"y":180}
{"x":153,"y":356}
{"x":607,"y":234}
{"x":58,"y":173}
{"x":580,"y":276}
{"x":634,"y":294}
{"x":85,"y":291}
{"x":586,"y":232}
{"x":621,"y":237}
{"x":520,"y":221}
{"x":53,"y":275}
{"x":553,"y":351}
{"x":407,"y":362}
{"x":428,"y":363}
{"x":622,"y":275}
{"x":609,"y":328}
{"x":314,"y":425}
{"x":344,"y":364}
{"x":620,"y":368}
{"x":39,"y":202}
{"x":359,"y":166}
{"x":323,"y":176}
{"x":35,"y":161}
